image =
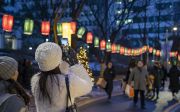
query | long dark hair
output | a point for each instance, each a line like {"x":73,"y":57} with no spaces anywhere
{"x":15,"y":88}
{"x":44,"y":92}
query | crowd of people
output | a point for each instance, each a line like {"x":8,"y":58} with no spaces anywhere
{"x":58,"y":83}
{"x":148,"y":81}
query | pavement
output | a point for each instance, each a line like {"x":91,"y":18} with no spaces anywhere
{"x":97,"y":101}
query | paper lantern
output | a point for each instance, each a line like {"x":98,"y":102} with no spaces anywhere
{"x":173,"y":54}
{"x":66,"y":32}
{"x":108,"y":46}
{"x":132,"y":52}
{"x":96,"y":42}
{"x":45,"y":28}
{"x":103,"y":45}
{"x":122,"y":50}
{"x":89,"y":38}
{"x":158,"y":53}
{"x":117,"y":48}
{"x":73,"y":27}
{"x":150,"y":50}
{"x":129,"y":52}
{"x":7,"y":22}
{"x":145,"y":48}
{"x":28,"y":26}
{"x":113,"y":47}
{"x":154,"y":51}
{"x":59,"y":29}
{"x":140,"y":51}
{"x":81,"y":32}
{"x":126,"y":51}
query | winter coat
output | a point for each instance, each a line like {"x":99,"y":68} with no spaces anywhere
{"x":80,"y":84}
{"x":158,"y":76}
{"x":174,"y":75}
{"x":109,"y":74}
{"x":13,"y":103}
{"x":139,"y":78}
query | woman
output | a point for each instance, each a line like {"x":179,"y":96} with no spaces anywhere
{"x":49,"y":86}
{"x":132,"y":65}
{"x":158,"y":75}
{"x":109,"y":75}
{"x":139,"y":74}
{"x":13,"y":98}
{"x":174,"y":74}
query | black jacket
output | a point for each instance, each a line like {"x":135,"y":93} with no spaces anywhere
{"x":174,"y":75}
{"x":109,"y":74}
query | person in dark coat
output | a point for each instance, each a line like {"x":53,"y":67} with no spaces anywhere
{"x":158,"y":75}
{"x":109,"y":75}
{"x":164,"y":76}
{"x":174,"y":75}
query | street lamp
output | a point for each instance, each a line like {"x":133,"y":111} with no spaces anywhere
{"x":30,"y":48}
{"x":175,"y":28}
{"x":47,"y":40}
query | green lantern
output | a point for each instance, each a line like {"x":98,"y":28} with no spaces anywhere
{"x":126,"y":51}
{"x":81,"y":32}
{"x":59,"y":29}
{"x":154,"y":51}
{"x":108,"y":46}
{"x":96,"y":42}
{"x":28,"y":26}
{"x":118,"y":48}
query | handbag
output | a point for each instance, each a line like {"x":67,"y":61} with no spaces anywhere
{"x":101,"y":83}
{"x":73,"y":107}
{"x":129,"y":91}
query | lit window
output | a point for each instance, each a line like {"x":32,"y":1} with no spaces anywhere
{"x":128,"y":21}
{"x":119,"y":11}
{"x":117,"y":22}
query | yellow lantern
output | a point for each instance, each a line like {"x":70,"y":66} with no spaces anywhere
{"x":66,"y":32}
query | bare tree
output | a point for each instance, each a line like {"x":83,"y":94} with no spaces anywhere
{"x":109,"y":23}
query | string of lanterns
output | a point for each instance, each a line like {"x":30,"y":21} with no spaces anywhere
{"x":63,"y":29}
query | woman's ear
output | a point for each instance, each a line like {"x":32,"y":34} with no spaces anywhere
{"x":15,"y":76}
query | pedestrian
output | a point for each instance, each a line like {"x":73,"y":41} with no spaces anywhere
{"x":139,"y":74}
{"x":109,"y":76}
{"x":158,"y":75}
{"x":131,"y":66}
{"x":57,"y":84}
{"x":174,"y":75}
{"x":13,"y":97}
{"x":164,"y":76}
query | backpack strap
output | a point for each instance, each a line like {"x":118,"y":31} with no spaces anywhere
{"x":4,"y":97}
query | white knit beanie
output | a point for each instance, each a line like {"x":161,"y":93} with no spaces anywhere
{"x":48,"y":55}
{"x":8,"y":67}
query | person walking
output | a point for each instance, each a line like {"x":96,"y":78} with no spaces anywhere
{"x":131,"y":66}
{"x":57,"y":84}
{"x":174,"y":75}
{"x":109,"y":75}
{"x":13,"y":97}
{"x":164,"y":78}
{"x":139,"y":74}
{"x":158,"y":75}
